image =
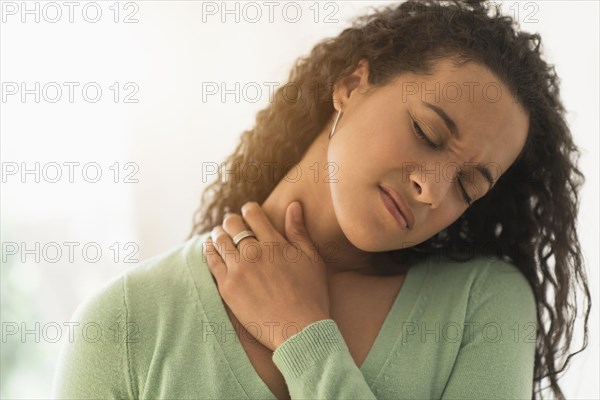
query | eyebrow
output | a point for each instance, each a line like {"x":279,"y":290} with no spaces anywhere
{"x":454,"y":131}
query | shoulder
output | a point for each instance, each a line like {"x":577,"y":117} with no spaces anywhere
{"x":502,"y":288}
{"x":144,"y":291}
{"x":502,"y":276}
{"x":496,"y":355}
{"x":121,"y":322}
{"x":486,"y":284}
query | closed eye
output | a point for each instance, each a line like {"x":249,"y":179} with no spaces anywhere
{"x":419,"y":132}
{"x":421,"y":135}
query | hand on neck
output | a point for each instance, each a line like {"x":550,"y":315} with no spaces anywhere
{"x":321,"y":222}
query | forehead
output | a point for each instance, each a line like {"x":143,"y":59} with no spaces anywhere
{"x":491,"y":123}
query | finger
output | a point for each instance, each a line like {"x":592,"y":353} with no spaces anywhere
{"x":249,"y":247}
{"x":295,"y":229}
{"x":224,"y":245}
{"x":233,"y":224}
{"x":214,"y":261}
{"x":257,"y":220}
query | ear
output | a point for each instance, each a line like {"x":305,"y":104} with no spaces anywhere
{"x":345,"y":88}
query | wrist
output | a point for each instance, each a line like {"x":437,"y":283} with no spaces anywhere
{"x":299,"y":325}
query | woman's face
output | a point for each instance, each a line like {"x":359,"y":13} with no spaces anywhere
{"x":375,"y":144}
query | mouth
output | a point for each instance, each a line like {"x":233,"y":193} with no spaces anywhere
{"x":393,"y":202}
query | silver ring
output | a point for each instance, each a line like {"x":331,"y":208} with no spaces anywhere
{"x":242,"y":235}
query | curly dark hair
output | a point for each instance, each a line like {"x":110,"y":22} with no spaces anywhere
{"x":529,"y":215}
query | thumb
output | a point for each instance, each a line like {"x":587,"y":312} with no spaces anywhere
{"x":295,"y":228}
{"x":294,"y":221}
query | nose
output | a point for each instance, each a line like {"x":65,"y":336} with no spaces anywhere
{"x":430,"y":187}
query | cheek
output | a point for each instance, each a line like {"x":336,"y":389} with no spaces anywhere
{"x":397,"y":146}
{"x":367,"y":151}
{"x":354,"y":200}
{"x":351,"y":183}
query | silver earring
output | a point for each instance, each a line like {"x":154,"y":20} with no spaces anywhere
{"x":335,"y":124}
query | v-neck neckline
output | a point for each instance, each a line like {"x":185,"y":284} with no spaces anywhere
{"x":238,"y":359}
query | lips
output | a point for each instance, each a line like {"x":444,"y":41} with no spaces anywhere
{"x":400,"y":204}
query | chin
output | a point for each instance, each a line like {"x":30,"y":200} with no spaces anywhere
{"x":363,"y":240}
{"x":361,"y":225}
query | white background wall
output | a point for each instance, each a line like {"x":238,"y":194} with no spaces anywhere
{"x":166,"y":136}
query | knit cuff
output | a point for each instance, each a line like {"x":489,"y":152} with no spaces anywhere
{"x":308,"y":347}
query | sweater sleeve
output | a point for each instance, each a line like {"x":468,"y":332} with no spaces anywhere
{"x":93,"y":362}
{"x":496,"y":356}
{"x":316,"y":364}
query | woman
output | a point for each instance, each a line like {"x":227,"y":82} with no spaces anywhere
{"x":393,"y":242}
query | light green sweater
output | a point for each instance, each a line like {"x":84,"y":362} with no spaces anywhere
{"x":455,"y":330}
